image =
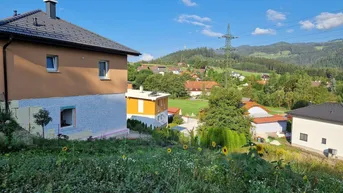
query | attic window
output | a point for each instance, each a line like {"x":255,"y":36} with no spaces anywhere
{"x":52,"y":63}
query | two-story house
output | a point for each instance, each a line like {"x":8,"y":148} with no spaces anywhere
{"x":79,"y":76}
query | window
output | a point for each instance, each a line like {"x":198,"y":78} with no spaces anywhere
{"x":140,"y":106}
{"x":103,"y":69}
{"x":68,"y":117}
{"x":323,"y":140}
{"x":52,"y":63}
{"x":303,"y":137}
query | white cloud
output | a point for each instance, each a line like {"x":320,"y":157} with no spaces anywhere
{"x":146,"y":57}
{"x":209,"y":32}
{"x":275,"y":16}
{"x":290,"y":31}
{"x":307,"y":24}
{"x":279,"y":24}
{"x":260,"y":31}
{"x":329,"y":20}
{"x":184,"y":17}
{"x":189,"y":3}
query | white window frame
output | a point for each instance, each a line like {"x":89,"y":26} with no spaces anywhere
{"x":55,"y":63}
{"x":106,"y":77}
{"x":140,"y":106}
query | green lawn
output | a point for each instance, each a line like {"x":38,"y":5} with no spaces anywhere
{"x":188,"y":106}
{"x":277,"y":110}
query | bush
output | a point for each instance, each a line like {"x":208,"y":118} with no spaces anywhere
{"x":139,"y":126}
{"x":222,"y":137}
{"x":177,"y":119}
{"x":165,"y":136}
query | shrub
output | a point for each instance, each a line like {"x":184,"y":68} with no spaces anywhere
{"x":165,"y":136}
{"x":177,"y":119}
{"x":139,"y":126}
{"x":222,"y":137}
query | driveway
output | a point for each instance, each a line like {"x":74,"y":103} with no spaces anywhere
{"x":187,"y":126}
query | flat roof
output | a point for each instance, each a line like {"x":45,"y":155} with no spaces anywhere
{"x":149,"y":95}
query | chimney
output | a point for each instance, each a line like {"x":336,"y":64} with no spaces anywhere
{"x":141,"y":89}
{"x":15,"y":13}
{"x":51,"y":8}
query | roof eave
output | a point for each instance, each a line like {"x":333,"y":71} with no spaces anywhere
{"x":65,"y":44}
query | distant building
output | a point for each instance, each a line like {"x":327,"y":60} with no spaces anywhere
{"x":263,"y":122}
{"x":174,"y":111}
{"x":265,"y":77}
{"x":195,"y":88}
{"x":148,"y":107}
{"x":319,"y":128}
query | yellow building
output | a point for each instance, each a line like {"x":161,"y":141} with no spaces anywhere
{"x":148,"y":107}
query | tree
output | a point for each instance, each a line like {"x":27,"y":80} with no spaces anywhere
{"x":140,"y":78}
{"x":225,"y":112}
{"x":42,"y":118}
{"x":289,"y":99}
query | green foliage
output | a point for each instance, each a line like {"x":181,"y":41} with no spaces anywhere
{"x":141,"y":166}
{"x":169,"y":83}
{"x":222,"y":137}
{"x":165,"y":136}
{"x":224,"y":103}
{"x":42,"y":118}
{"x":139,"y":126}
{"x":140,"y":78}
{"x":7,"y":126}
{"x":177,"y":119}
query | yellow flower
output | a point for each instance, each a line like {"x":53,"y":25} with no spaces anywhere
{"x":305,"y":177}
{"x":65,"y":148}
{"x":169,"y":150}
{"x":156,"y":172}
{"x":214,"y":144}
{"x":185,"y":147}
{"x":224,"y":150}
{"x":124,"y":157}
{"x":199,"y":149}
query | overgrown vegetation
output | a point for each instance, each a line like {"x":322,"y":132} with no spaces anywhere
{"x":139,"y":126}
{"x":141,"y":166}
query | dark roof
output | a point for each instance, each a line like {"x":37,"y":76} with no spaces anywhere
{"x":59,"y":31}
{"x":326,"y":111}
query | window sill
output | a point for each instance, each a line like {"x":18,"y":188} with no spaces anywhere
{"x":105,"y":79}
{"x":51,"y":71}
{"x":68,"y":127}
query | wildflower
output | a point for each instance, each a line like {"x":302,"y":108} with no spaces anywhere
{"x":65,"y":148}
{"x":199,"y":149}
{"x":7,"y":155}
{"x":124,"y":157}
{"x":185,"y":147}
{"x":305,"y":178}
{"x":224,"y":150}
{"x":156,"y":172}
{"x":214,"y":144}
{"x":169,"y":150}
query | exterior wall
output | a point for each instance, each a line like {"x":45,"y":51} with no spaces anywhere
{"x":195,"y":93}
{"x":161,"y":105}
{"x":270,"y":127}
{"x":2,"y":89}
{"x":149,"y":107}
{"x":77,"y":76}
{"x":161,"y":119}
{"x":257,"y":111}
{"x":96,"y":115}
{"x":316,"y":130}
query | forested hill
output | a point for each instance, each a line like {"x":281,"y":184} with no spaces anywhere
{"x":325,"y":54}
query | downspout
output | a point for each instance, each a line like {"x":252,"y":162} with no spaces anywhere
{"x":5,"y":72}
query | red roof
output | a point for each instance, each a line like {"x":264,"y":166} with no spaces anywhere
{"x":198,"y":85}
{"x":173,"y":110}
{"x":263,"y":82}
{"x":275,"y":118}
{"x":248,"y":105}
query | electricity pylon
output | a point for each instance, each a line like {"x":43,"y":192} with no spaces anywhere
{"x":228,"y":48}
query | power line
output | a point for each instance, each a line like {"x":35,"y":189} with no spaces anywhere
{"x":228,"y":48}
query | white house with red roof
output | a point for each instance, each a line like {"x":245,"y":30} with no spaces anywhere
{"x":263,"y":122}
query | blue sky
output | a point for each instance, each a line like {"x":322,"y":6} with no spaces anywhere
{"x":159,"y":27}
